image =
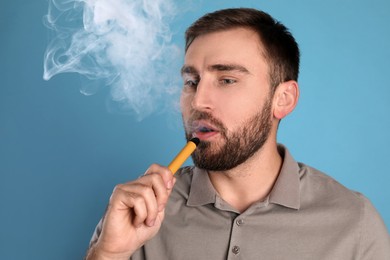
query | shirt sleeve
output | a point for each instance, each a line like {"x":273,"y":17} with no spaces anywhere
{"x":374,"y":237}
{"x":96,"y":233}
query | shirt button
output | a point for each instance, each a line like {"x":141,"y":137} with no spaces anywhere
{"x":236,"y":250}
{"x":240,"y":222}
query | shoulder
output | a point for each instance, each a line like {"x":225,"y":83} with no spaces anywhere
{"x":330,"y":201}
{"x":323,"y":196}
{"x":318,"y":187}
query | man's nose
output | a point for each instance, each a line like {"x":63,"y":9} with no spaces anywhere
{"x":203,"y":99}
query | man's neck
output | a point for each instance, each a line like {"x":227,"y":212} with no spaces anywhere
{"x":251,"y":181}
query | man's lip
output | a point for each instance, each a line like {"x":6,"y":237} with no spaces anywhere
{"x":199,"y":124}
{"x":205,"y":135}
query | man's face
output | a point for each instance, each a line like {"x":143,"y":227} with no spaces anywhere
{"x":226,"y":100}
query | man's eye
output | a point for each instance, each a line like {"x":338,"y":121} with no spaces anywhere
{"x":191,"y":83}
{"x":227,"y":81}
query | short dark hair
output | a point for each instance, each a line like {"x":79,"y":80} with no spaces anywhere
{"x":281,"y":49}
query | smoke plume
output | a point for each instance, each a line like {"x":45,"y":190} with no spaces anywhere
{"x":124,"y":44}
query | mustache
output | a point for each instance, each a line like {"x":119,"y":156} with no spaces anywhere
{"x":196,"y":115}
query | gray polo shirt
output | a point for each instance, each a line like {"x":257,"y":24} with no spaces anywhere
{"x":307,"y":215}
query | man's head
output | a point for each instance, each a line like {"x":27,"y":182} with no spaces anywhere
{"x":239,"y":81}
{"x":280,"y":48}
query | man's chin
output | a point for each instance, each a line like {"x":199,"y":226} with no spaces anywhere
{"x":206,"y":159}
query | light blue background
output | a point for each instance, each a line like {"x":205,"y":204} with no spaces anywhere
{"x":61,"y":153}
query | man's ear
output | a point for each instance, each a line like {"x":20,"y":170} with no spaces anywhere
{"x":285,"y":98}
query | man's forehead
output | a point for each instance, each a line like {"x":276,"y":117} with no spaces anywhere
{"x":236,"y":49}
{"x":241,"y":35}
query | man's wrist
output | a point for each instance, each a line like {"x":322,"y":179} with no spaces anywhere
{"x":95,"y":253}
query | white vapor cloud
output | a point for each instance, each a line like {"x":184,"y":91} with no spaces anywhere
{"x":125,"y":44}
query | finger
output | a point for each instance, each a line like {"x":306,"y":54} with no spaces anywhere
{"x":140,"y":211}
{"x":159,"y":188}
{"x":128,"y":199}
{"x":165,"y":173}
{"x":143,"y":195}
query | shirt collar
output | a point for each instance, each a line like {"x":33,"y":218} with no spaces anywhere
{"x":286,"y":188}
{"x":202,"y":190}
{"x":285,"y":191}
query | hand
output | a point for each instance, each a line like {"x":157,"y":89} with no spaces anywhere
{"x":134,"y":214}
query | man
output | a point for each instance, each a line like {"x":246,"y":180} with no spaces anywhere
{"x":246,"y":197}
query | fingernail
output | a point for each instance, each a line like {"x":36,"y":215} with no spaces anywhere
{"x":169,"y":185}
{"x":151,"y":223}
{"x":161,"y":207}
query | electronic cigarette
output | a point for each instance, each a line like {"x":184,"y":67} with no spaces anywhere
{"x":182,"y":156}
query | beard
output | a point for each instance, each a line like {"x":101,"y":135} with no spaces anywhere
{"x":239,"y":145}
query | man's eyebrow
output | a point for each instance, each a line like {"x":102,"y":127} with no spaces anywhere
{"x":228,"y":67}
{"x":186,"y":69}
